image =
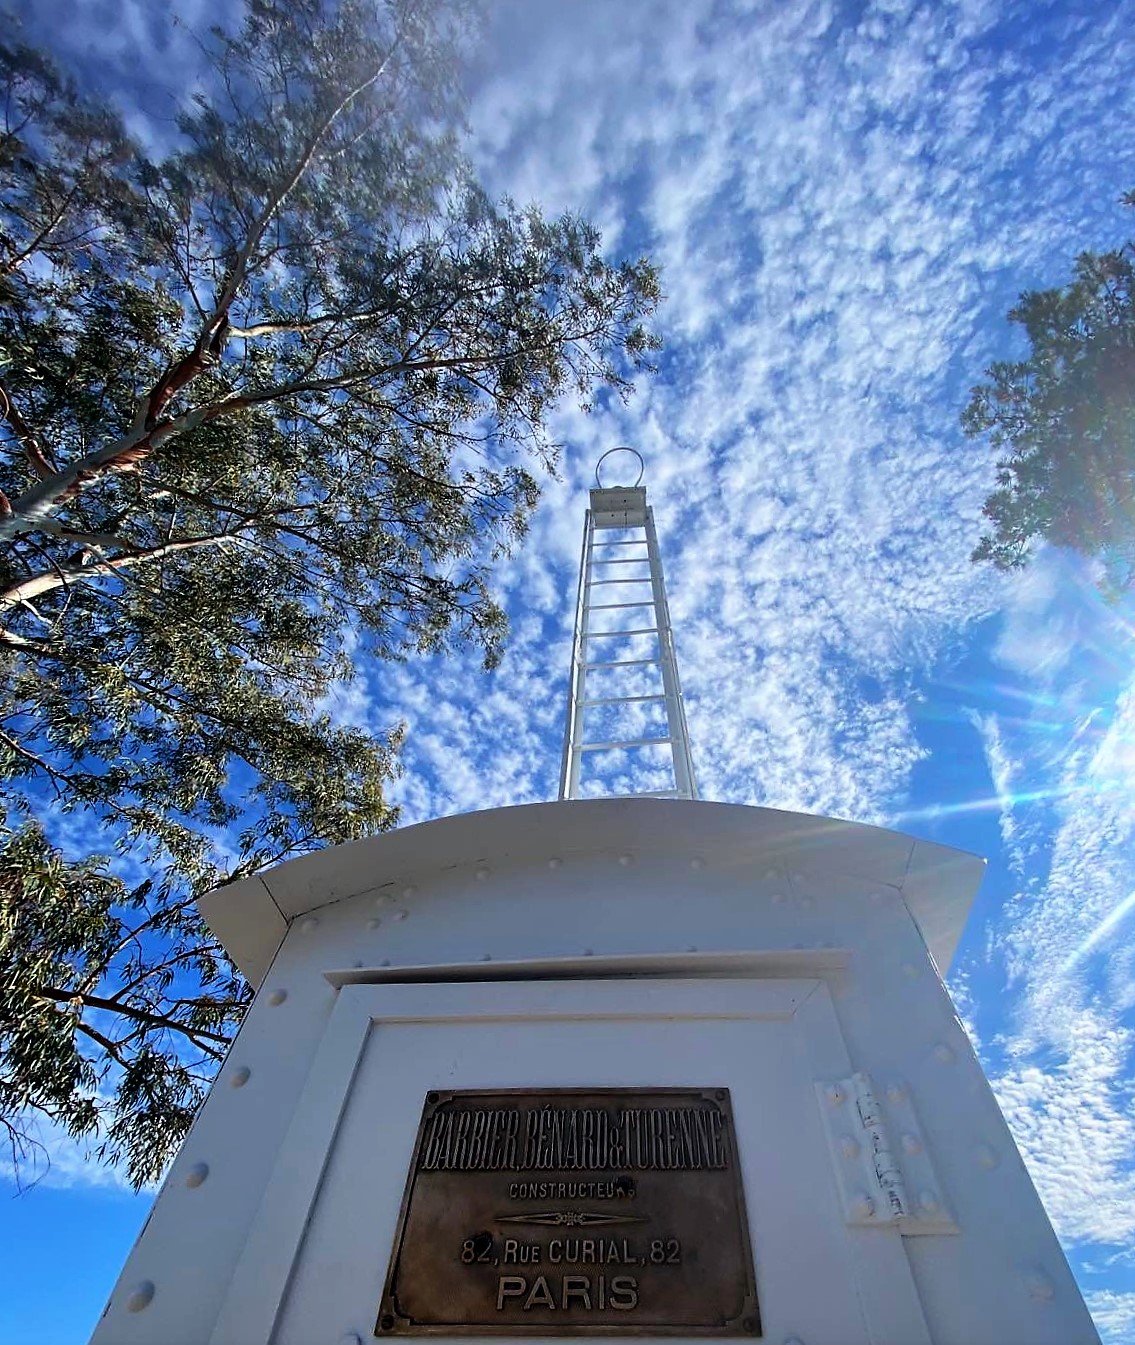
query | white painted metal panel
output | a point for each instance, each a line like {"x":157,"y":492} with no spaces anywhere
{"x":764,"y":1040}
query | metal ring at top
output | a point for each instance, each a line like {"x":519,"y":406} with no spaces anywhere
{"x":620,"y":448}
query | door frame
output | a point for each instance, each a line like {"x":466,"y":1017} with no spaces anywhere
{"x":256,"y":1294}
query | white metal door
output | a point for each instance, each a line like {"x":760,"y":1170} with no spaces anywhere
{"x":314,"y":1267}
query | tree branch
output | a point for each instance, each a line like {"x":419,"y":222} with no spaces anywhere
{"x":128,"y":1011}
{"x":45,"y":583}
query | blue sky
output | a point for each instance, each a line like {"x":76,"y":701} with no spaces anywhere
{"x":845,"y":200}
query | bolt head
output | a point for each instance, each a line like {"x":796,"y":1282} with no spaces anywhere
{"x":1039,"y":1284}
{"x":140,"y":1297}
{"x":196,"y":1175}
{"x":862,"y":1206}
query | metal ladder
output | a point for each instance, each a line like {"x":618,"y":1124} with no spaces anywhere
{"x":623,"y":640}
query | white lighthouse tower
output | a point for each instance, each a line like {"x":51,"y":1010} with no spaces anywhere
{"x":639,"y":1065}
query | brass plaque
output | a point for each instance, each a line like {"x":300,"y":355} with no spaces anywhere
{"x":610,"y":1211}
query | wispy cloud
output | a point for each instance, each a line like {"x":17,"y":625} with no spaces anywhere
{"x":1114,"y":1314}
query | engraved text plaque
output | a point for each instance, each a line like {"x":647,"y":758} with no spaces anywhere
{"x":611,"y":1211}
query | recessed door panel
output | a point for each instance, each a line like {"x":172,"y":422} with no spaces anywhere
{"x":740,"y":1036}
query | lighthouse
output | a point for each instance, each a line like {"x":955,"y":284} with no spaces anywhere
{"x":627,"y":1063}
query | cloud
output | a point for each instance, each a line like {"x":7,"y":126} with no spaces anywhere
{"x":1114,"y":1315}
{"x":50,"y":1157}
{"x":1072,"y":1120}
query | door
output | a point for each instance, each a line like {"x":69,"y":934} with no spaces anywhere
{"x":315,"y":1265}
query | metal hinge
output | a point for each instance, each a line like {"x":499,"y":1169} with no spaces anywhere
{"x":882,"y":1169}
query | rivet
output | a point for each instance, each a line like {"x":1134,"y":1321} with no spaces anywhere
{"x":408,"y":891}
{"x":401,"y":915}
{"x":555,"y":862}
{"x":277,"y":997}
{"x":482,"y":873}
{"x":383,"y":898}
{"x":1039,"y":1284}
{"x":374,"y":923}
{"x":895,"y":1093}
{"x":196,"y":1174}
{"x":943,"y":1054}
{"x":849,"y":1147}
{"x":625,"y":861}
{"x":141,"y":1296}
{"x":911,"y":1144}
{"x":240,"y":1076}
{"x":777,"y":898}
{"x":910,"y":971}
{"x":308,"y":923}
{"x":862,"y":1206}
{"x":697,"y":863}
{"x":928,"y":1201}
{"x":987,"y":1157}
{"x":835,"y":1095}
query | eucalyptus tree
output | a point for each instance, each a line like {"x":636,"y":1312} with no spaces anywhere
{"x":1063,"y":420}
{"x":270,"y":402}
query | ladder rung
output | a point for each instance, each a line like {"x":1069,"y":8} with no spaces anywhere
{"x":613,"y":634}
{"x":622,"y":663}
{"x":624,"y":560}
{"x":618,"y":700}
{"x":644,"y":580}
{"x":611,"y":606}
{"x":630,"y":742}
{"x":627,"y":541}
